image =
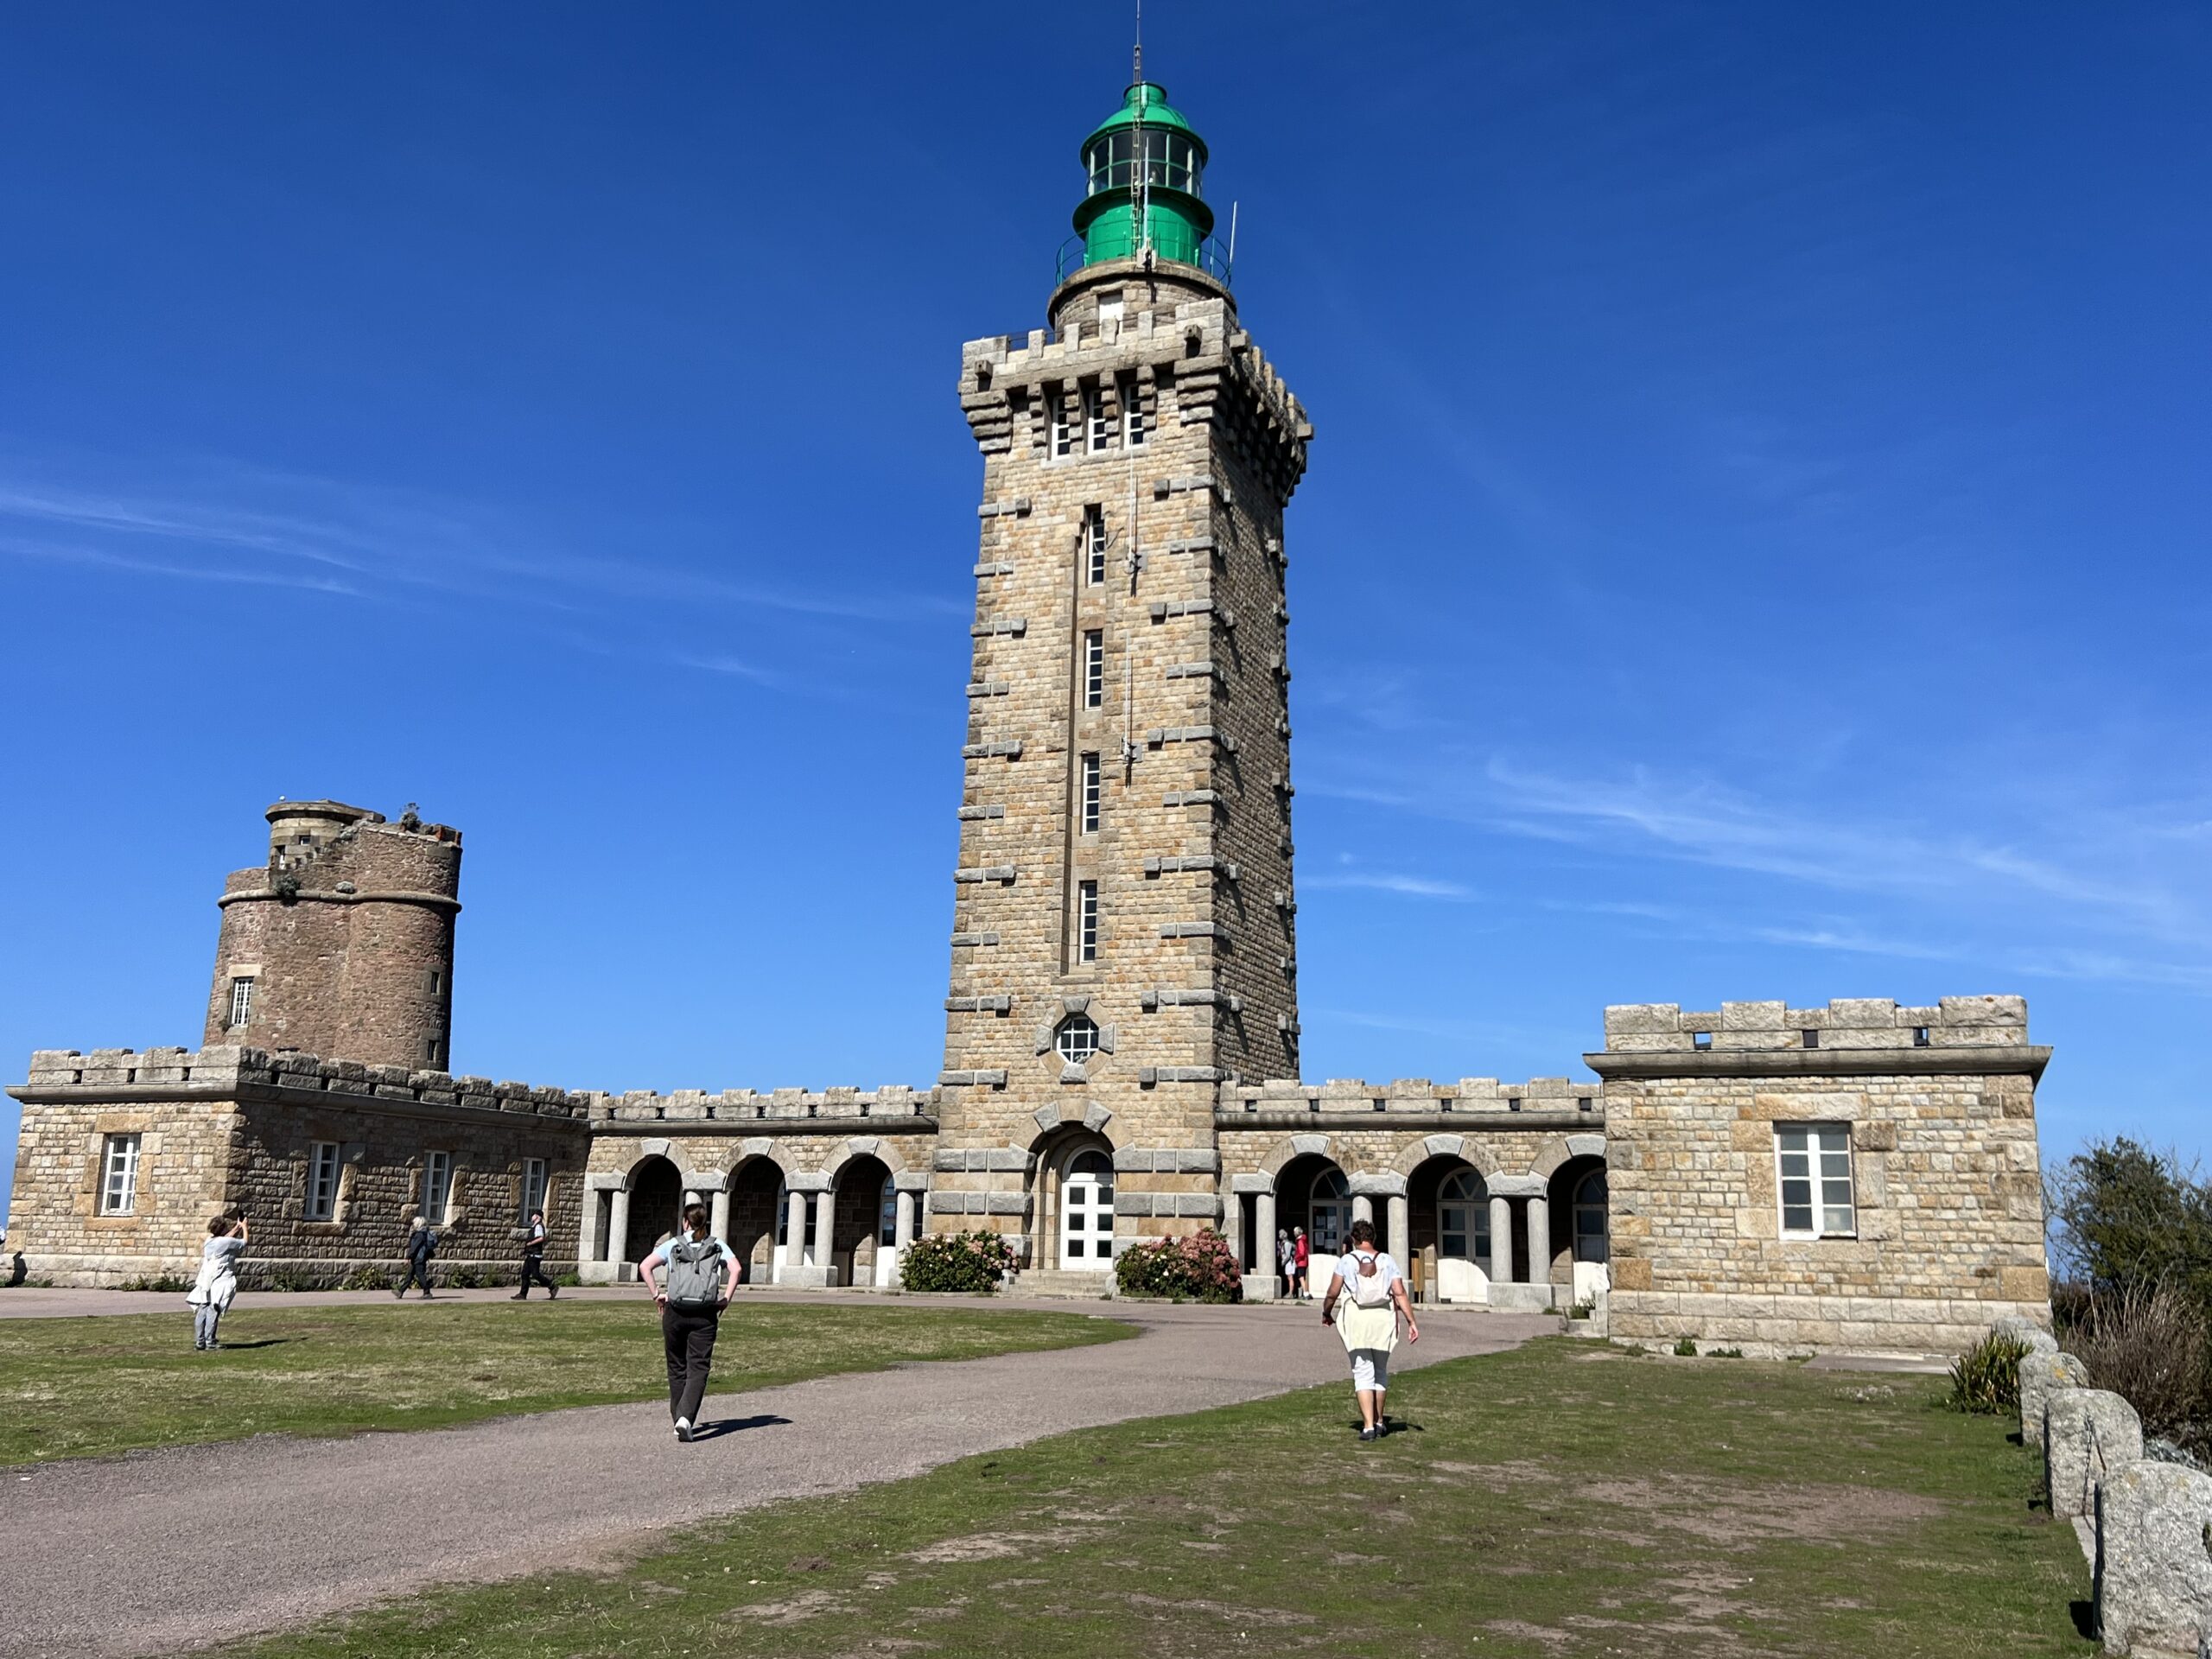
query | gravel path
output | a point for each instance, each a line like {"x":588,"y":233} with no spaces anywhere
{"x":156,"y":1551}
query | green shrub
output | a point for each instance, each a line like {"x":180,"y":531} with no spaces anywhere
{"x":1987,"y":1378}
{"x":368,"y":1276}
{"x":957,"y":1262}
{"x":1582,"y":1310}
{"x":168,"y":1281}
{"x":1200,"y":1267}
{"x":1686,"y":1347}
{"x":567,"y":1280}
{"x":465,"y":1277}
{"x":285,"y":1275}
{"x":2152,"y":1347}
{"x":1724,"y":1353}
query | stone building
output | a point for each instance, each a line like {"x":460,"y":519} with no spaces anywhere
{"x":1122,"y":1027}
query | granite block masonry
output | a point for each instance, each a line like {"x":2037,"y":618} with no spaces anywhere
{"x":1122,"y":1031}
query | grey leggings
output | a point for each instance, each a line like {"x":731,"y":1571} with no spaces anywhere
{"x":205,"y":1318}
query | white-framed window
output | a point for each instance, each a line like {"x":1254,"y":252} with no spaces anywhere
{"x":1462,"y":1217}
{"x":1077,"y":1040}
{"x":1133,"y":430}
{"x":1091,"y":785}
{"x":533,"y":1187}
{"x":1813,"y":1170}
{"x":241,"y":1001}
{"x":887,"y":1219}
{"x":437,"y":1186}
{"x":1094,"y":546}
{"x":118,"y":1174}
{"x":1094,"y":668}
{"x":1589,"y":1207}
{"x":1086,"y":921}
{"x":1063,"y":426}
{"x":1098,"y":427}
{"x":322,"y":1182}
{"x":1328,"y":1213}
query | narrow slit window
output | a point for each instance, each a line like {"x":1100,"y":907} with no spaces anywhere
{"x":1091,"y":785}
{"x":1133,"y":429}
{"x":322,"y":1180}
{"x":1094,"y":668}
{"x":437,"y":1187}
{"x":119,"y":1174}
{"x":533,"y":1186}
{"x":1813,"y":1167}
{"x":1086,"y":921}
{"x":1094,"y":546}
{"x":241,"y":1001}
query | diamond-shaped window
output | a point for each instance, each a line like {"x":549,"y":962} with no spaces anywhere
{"x":1076,"y":1039}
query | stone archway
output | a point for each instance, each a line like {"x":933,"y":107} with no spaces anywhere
{"x":1449,"y":1230}
{"x":1072,"y":1194}
{"x":656,"y":1209}
{"x":860,"y":1218}
{"x":1579,"y":1240}
{"x":756,"y":1215}
{"x":1314,"y":1192}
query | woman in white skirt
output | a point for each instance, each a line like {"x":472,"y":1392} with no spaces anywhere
{"x":1374,"y":1294}
{"x":218,"y":1283}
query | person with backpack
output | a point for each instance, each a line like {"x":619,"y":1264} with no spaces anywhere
{"x":422,"y":1245}
{"x":701,"y":1272}
{"x":533,"y":1258}
{"x":1373,"y":1292}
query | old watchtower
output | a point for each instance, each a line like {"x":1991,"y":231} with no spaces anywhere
{"x":1122,"y":936}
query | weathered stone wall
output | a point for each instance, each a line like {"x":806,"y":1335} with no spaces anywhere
{"x":229,"y":1129}
{"x":1191,"y":848}
{"x":347,"y":933}
{"x":1940,"y":1108}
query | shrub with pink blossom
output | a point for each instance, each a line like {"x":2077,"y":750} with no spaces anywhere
{"x":1198,"y":1267}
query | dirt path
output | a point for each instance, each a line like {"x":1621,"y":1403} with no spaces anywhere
{"x":157,"y":1551}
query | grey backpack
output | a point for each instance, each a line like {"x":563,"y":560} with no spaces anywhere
{"x":695,"y":1273}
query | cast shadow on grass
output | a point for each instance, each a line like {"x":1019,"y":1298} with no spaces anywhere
{"x":2085,"y":1619}
{"x":736,"y":1425}
{"x":265,"y":1342}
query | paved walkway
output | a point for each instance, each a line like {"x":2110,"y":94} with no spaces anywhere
{"x":156,"y":1551}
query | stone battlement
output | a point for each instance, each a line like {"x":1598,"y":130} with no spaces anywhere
{"x":219,"y":1070}
{"x":1410,"y":1096}
{"x":1844,"y":1023}
{"x":780,"y":1105}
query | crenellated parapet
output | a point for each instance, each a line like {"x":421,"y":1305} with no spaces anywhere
{"x":1373,"y":1104}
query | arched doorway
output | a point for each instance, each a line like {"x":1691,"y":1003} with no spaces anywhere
{"x":1448,"y":1220}
{"x":656,"y":1206}
{"x":1578,"y":1242}
{"x":1311,"y":1192}
{"x":756,"y":1191}
{"x":863,"y":1217}
{"x":1085,"y":1232}
{"x":1587,"y":1206}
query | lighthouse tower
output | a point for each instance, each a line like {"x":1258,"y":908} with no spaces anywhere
{"x":1123,"y":935}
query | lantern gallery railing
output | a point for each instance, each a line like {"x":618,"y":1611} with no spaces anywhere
{"x":1212,"y":258}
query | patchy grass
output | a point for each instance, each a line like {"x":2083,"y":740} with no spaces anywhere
{"x":86,"y":1387}
{"x":1555,"y":1501}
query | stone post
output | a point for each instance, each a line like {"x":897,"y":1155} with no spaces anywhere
{"x":903,"y":1234}
{"x":2154,"y":1579}
{"x":720,"y":1220}
{"x":794,"y":1235}
{"x":1400,"y":1229}
{"x":1362,"y":1207}
{"x":2041,"y":1377}
{"x":618,"y":1230}
{"x":1501,"y":1240}
{"x":1540,"y":1241}
{"x":2086,"y":1433}
{"x":825,"y":1208}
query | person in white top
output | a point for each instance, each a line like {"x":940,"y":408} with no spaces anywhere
{"x":1374,"y":1293}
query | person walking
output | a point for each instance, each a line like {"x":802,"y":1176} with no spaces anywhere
{"x":700,"y":1273}
{"x":422,"y":1245}
{"x":1374,"y":1293}
{"x":1301,"y":1251}
{"x":1286,"y":1261}
{"x":533,"y":1258}
{"x":210,"y":1294}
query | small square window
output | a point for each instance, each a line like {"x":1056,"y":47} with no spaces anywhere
{"x":322,"y":1182}
{"x":1920,"y":1036}
{"x":1810,"y":1037}
{"x":119,"y":1174}
{"x":1813,"y":1171}
{"x":1583,"y":1102}
{"x":1701,"y":1039}
{"x":1512,"y":1102}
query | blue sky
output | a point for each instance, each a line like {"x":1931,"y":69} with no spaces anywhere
{"x":1755,"y":545}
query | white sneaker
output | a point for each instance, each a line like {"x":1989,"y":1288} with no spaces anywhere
{"x":683,"y":1429}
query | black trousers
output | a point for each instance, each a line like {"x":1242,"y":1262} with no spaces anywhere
{"x":533,"y":1268}
{"x":690,"y":1339}
{"x":417,"y":1272}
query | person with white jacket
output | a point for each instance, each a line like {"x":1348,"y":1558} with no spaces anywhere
{"x":218,"y":1283}
{"x":1373,"y":1292}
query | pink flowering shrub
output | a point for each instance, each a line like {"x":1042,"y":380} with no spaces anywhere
{"x":1198,"y":1267}
{"x":957,"y":1262}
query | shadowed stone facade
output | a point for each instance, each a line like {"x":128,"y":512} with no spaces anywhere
{"x":1121,"y":1025}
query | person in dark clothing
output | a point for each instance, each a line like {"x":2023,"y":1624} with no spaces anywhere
{"x":700,"y":1273}
{"x":533,"y":1258}
{"x":422,"y":1245}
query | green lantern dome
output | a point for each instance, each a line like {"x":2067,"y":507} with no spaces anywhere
{"x":1144,"y":164}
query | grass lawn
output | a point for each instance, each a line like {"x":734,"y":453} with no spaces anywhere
{"x":86,"y":1387}
{"x":1561,"y":1500}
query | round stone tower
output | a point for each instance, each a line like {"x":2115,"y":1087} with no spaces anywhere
{"x":341,"y":945}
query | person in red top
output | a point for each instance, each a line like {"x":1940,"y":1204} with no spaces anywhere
{"x":1301,"y":1252}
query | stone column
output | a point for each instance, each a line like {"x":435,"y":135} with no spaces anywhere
{"x":1501,"y":1240}
{"x":618,"y":1229}
{"x":1362,"y":1207}
{"x":720,"y":1220}
{"x":903,"y":1233}
{"x":826,"y":1204}
{"x":1540,"y":1240}
{"x":1232,"y":1223}
{"x":1263,"y":1238}
{"x":1400,"y":1228}
{"x":794,"y":1234}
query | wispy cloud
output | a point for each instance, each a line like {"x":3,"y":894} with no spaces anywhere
{"x":1419,"y":887}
